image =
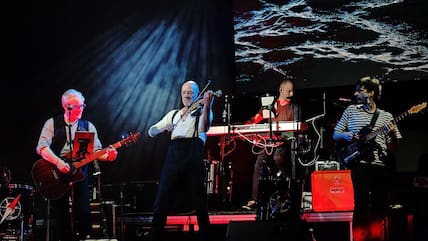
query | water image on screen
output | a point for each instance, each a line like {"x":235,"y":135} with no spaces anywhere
{"x":322,"y":43}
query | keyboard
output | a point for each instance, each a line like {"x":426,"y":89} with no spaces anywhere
{"x":282,"y":126}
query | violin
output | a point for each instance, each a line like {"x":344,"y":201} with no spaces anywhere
{"x":199,"y":103}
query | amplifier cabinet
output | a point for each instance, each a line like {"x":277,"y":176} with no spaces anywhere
{"x":332,"y":191}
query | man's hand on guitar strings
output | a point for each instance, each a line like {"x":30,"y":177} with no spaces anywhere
{"x":62,"y":166}
{"x":72,"y":169}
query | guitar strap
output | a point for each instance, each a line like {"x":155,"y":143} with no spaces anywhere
{"x":371,"y":126}
{"x":374,"y":118}
{"x":83,"y":125}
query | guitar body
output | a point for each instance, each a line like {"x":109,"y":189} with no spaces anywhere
{"x":50,"y":182}
{"x":351,"y":153}
{"x":53,"y":184}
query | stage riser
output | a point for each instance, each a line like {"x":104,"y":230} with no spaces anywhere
{"x":296,"y":231}
{"x":267,"y":231}
{"x":331,"y":231}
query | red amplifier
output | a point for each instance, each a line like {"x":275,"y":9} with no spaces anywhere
{"x":332,"y":191}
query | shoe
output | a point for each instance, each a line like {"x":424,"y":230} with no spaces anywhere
{"x":251,"y":205}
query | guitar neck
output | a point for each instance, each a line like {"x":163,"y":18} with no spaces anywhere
{"x":95,"y":155}
{"x":385,"y":128}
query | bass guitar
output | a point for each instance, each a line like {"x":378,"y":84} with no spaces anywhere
{"x":53,"y":184}
{"x":350,"y":153}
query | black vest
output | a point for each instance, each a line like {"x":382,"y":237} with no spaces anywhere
{"x":60,"y":138}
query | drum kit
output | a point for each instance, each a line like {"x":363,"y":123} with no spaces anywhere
{"x":16,"y":209}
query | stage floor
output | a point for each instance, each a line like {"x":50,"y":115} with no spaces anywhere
{"x":234,"y":225}
{"x":188,"y":221}
{"x":241,"y":226}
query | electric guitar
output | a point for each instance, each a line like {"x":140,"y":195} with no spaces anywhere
{"x":350,"y":153}
{"x":53,"y":184}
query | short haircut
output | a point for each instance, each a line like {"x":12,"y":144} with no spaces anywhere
{"x":71,"y":93}
{"x":371,"y":84}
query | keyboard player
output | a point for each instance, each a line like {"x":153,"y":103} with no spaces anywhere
{"x":283,"y":110}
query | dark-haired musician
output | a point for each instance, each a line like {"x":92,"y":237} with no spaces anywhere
{"x":370,"y":174}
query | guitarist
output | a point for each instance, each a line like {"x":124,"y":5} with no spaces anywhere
{"x":371,"y":175}
{"x":54,"y":147}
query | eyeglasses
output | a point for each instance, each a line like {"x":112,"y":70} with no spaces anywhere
{"x":82,"y":106}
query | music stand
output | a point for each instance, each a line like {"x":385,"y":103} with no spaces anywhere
{"x":267,"y":107}
{"x":83,"y":144}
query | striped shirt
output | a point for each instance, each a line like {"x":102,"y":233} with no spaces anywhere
{"x":354,"y":118}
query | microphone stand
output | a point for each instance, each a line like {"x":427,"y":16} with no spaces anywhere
{"x":297,"y":182}
{"x":224,"y":141}
{"x":70,"y":162}
{"x":294,"y":146}
{"x":227,"y":109}
{"x":70,"y":159}
{"x":229,"y":166}
{"x":270,"y":107}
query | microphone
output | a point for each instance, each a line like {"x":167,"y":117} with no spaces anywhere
{"x":294,"y":99}
{"x":344,"y":99}
{"x":69,"y":107}
{"x":218,"y":93}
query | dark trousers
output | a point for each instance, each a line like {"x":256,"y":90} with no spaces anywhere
{"x":372,"y":190}
{"x":184,"y":162}
{"x":262,"y":159}
{"x":80,"y":214}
